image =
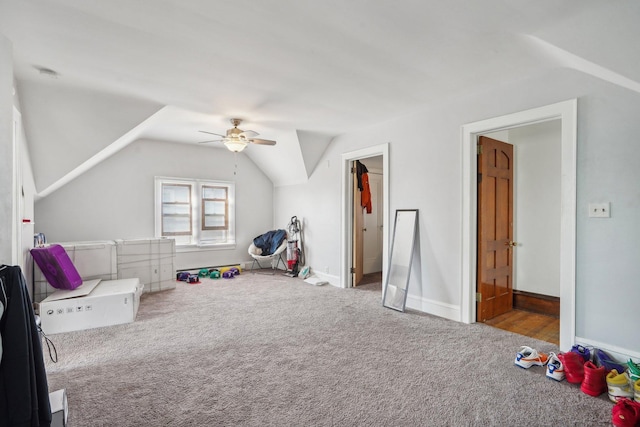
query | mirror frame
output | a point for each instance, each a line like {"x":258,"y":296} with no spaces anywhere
{"x":404,"y":240}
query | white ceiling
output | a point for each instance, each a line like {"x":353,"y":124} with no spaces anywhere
{"x":295,"y":69}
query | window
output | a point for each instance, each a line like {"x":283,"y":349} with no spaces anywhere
{"x":215,"y":208}
{"x":176,"y":210}
{"x":195,"y":212}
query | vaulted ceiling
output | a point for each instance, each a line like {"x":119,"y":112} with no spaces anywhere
{"x":299,"y":72}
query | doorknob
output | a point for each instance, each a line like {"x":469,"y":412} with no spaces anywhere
{"x":364,"y":229}
{"x":511,"y":244}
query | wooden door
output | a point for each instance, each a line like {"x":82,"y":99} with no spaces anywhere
{"x":495,"y":228}
{"x":358,"y":221}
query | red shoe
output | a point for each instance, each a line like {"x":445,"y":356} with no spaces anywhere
{"x":626,"y":413}
{"x":573,"y":367}
{"x":594,"y":382}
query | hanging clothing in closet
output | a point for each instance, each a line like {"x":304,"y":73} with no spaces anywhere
{"x":24,"y":393}
{"x":362,"y":174}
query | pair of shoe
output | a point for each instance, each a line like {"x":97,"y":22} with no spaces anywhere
{"x":620,"y":385}
{"x":590,"y":377}
{"x":527,"y":357}
{"x":626,"y":413}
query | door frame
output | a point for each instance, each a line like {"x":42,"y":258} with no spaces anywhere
{"x":17,"y":257}
{"x":347,"y":209}
{"x":566,"y":111}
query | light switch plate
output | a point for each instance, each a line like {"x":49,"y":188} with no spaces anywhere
{"x":600,"y":210}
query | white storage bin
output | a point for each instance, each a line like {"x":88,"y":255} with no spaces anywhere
{"x":150,"y":260}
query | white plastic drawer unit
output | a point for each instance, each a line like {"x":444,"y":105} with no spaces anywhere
{"x":97,"y":303}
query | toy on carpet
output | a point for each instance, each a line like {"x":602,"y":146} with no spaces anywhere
{"x":228,"y":272}
{"x":231,"y":267}
{"x":185,"y":276}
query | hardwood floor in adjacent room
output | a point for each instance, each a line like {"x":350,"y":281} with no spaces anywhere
{"x":534,"y":325}
{"x":371,"y":282}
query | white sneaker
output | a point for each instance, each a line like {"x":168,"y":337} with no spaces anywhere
{"x":526,"y":357}
{"x":555,"y":368}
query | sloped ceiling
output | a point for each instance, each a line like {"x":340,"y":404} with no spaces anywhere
{"x":80,"y":122}
{"x":299,"y":72}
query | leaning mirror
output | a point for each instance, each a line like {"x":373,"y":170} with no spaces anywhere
{"x":401,"y":254}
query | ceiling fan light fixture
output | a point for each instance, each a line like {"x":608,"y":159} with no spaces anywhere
{"x":235,"y":145}
{"x":236,"y":139}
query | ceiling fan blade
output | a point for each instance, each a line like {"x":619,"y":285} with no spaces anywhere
{"x":211,"y":133}
{"x":213,"y":140}
{"x":262,"y":141}
{"x":249,"y":133}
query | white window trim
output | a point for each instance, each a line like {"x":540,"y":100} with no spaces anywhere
{"x":197,"y":241}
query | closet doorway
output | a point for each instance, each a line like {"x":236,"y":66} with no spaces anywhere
{"x":353,"y":235}
{"x":368,"y":222}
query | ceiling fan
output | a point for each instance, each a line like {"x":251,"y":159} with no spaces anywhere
{"x":236,"y":139}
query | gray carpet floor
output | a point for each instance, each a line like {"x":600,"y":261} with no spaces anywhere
{"x":261,"y":350}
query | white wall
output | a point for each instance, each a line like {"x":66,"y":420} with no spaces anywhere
{"x":26,"y":200}
{"x":425,"y":173}
{"x":28,"y":183}
{"x":537,"y":207}
{"x":79,"y":122}
{"x":9,"y":101}
{"x":317,"y":206}
{"x":115,"y":200}
{"x":608,"y":272}
{"x":6,"y":150}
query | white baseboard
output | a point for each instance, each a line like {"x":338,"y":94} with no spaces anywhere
{"x":333,"y":280}
{"x":437,"y":308}
{"x":618,"y":353}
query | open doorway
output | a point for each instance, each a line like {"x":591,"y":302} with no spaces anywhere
{"x":368,"y":223}
{"x":566,"y":113}
{"x":377,"y":157}
{"x":518,"y":267}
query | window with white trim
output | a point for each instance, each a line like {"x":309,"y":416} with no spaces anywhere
{"x":195,"y":212}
